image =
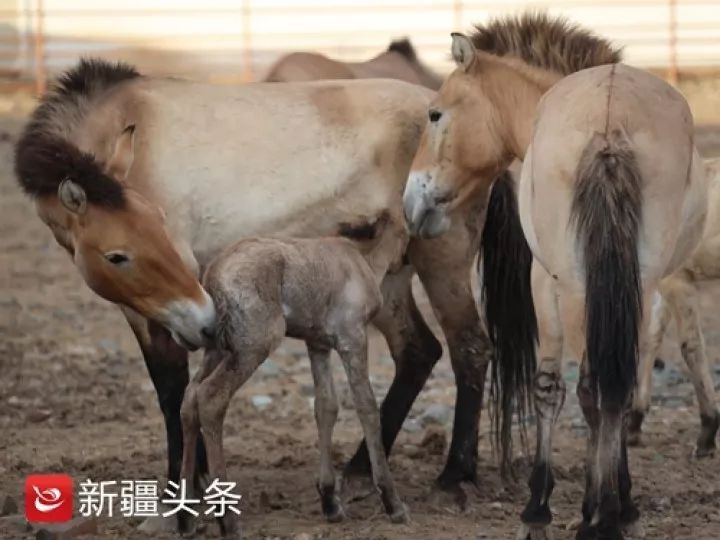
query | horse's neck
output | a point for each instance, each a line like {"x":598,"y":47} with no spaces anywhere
{"x":516,"y":89}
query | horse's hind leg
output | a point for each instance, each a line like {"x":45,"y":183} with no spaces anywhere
{"x":326,"y":411}
{"x":352,"y":348}
{"x":415,"y":352}
{"x":167,"y":364}
{"x":683,"y":298}
{"x":549,"y":397}
{"x":643,"y":389}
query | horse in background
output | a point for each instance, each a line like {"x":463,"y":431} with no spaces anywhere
{"x":398,"y":61}
{"x":678,"y":299}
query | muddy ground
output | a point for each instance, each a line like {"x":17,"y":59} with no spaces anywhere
{"x":75,"y":398}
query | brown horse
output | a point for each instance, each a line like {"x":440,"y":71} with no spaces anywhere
{"x":619,"y":207}
{"x":191,"y":154}
{"x":399,"y":61}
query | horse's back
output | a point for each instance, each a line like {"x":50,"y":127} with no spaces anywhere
{"x":293,"y":158}
{"x":305,"y":66}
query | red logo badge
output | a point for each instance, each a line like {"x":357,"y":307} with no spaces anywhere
{"x":48,"y":498}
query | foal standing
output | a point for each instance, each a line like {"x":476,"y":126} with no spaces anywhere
{"x":320,"y":290}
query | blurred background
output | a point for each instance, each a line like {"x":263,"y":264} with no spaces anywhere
{"x":228,"y":41}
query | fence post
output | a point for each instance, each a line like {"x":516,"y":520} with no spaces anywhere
{"x":39,"y":39}
{"x":248,"y":74}
{"x":672,"y":74}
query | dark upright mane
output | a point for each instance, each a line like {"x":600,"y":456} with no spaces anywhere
{"x":404,"y":48}
{"x":44,"y":157}
{"x":541,"y":41}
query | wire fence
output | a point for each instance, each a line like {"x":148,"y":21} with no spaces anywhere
{"x":237,"y":40}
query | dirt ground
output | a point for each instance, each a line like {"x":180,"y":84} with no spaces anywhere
{"x":75,"y":398}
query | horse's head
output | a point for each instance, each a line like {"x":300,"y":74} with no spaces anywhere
{"x":117,"y":238}
{"x":461,"y":145}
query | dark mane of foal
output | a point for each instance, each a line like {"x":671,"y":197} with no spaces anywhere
{"x":546,"y":42}
{"x":44,"y":157}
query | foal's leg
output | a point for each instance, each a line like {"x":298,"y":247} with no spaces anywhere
{"x":352,"y":348}
{"x":643,"y":391}
{"x":415,"y":352}
{"x":549,"y":397}
{"x":213,"y":398}
{"x":191,"y":432}
{"x":326,"y":412}
{"x":683,"y":297}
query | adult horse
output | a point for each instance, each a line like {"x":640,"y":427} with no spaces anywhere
{"x":398,"y":61}
{"x":107,"y":147}
{"x":611,"y":199}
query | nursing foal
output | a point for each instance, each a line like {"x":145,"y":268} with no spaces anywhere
{"x":320,"y":290}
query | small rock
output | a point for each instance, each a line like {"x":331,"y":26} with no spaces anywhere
{"x":66,"y":531}
{"x":496,"y":505}
{"x":579,"y":426}
{"x":660,"y":504}
{"x":109,"y":346}
{"x":434,"y":442}
{"x":14,"y":401}
{"x":9,"y":506}
{"x":436,"y":414}
{"x":412,"y":450}
{"x":261,"y":401}
{"x":302,"y":536}
{"x":411,"y":425}
{"x":39,"y":415}
{"x":269,"y":368}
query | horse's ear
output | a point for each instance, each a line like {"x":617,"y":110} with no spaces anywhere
{"x":118,"y":166}
{"x":463,"y":50}
{"x":72,"y":196}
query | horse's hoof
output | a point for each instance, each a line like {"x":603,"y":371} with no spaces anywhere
{"x":530,"y":532}
{"x":593,"y":532}
{"x":337,"y":515}
{"x":400,"y":515}
{"x":634,"y":530}
{"x":704,"y":451}
{"x":634,"y":439}
{"x":456,"y":494}
{"x":356,"y":488}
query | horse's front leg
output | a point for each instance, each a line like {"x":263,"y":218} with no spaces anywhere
{"x":549,"y":397}
{"x":167,"y":364}
{"x":444,"y":266}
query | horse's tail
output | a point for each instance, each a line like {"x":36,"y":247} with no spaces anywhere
{"x":606,"y":210}
{"x":509,"y":313}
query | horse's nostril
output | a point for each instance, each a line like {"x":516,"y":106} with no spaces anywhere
{"x":208,"y":332}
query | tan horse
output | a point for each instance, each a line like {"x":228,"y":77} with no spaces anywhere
{"x":223,"y":163}
{"x":677,"y":298}
{"x":620,"y":206}
{"x":399,"y":61}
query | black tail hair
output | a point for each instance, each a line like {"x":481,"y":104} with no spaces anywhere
{"x":509,"y":313}
{"x":606,"y":210}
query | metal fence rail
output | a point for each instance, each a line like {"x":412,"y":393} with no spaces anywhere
{"x":230,"y":40}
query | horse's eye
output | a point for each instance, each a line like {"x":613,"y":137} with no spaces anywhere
{"x":117,"y":258}
{"x":434,"y":115}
